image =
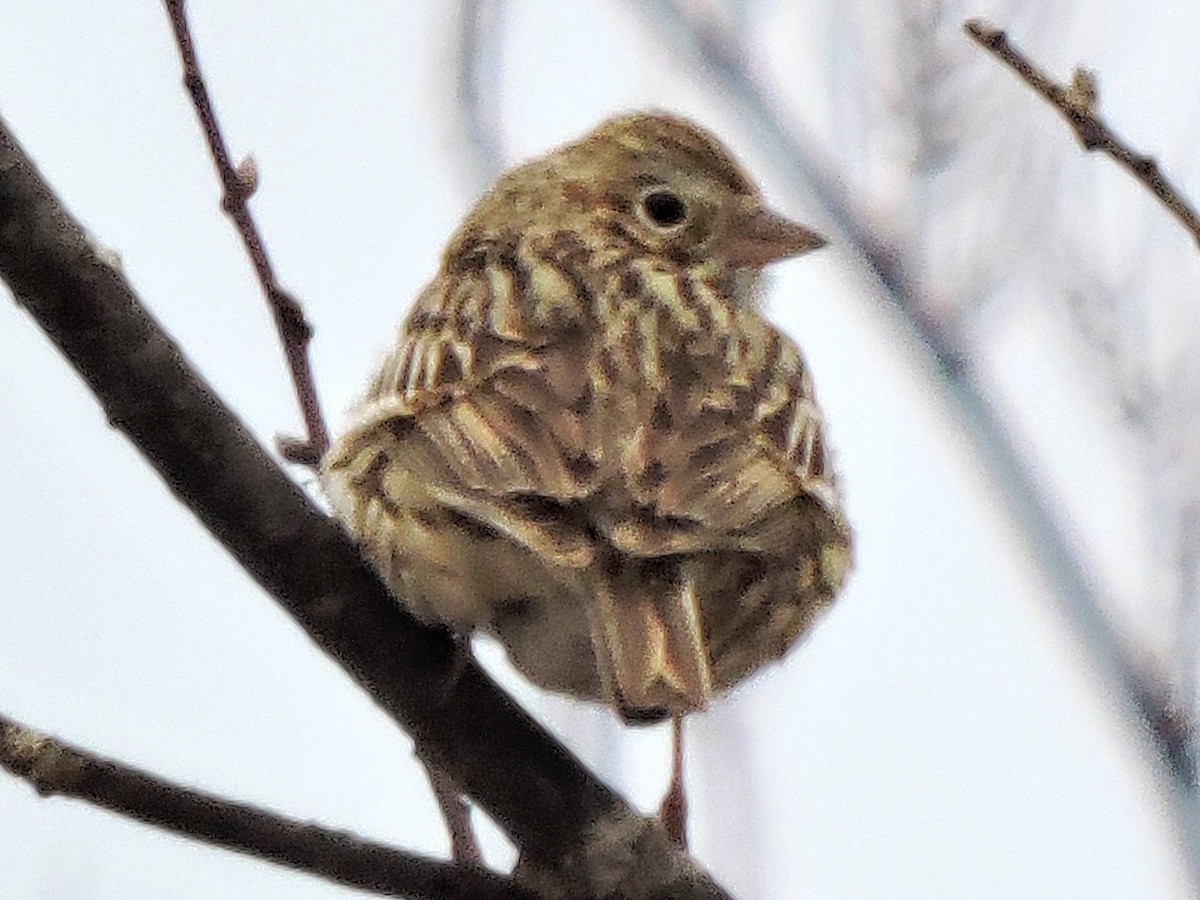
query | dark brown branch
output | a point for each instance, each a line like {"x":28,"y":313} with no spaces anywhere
{"x":569,"y":826}
{"x":53,"y":767}
{"x":1078,"y":104}
{"x":239,"y":185}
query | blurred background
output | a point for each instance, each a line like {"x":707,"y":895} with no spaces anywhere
{"x":1004,"y":335}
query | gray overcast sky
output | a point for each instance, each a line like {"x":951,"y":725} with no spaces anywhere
{"x":940,"y":735}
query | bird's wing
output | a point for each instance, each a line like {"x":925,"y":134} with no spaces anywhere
{"x":728,"y":523}
{"x":479,"y":404}
{"x":733,"y":447}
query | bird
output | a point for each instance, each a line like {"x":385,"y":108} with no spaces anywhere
{"x":589,"y":442}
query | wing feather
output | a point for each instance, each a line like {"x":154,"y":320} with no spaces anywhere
{"x":733,"y":456}
{"x":477,"y":389}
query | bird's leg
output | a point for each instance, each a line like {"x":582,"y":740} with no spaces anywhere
{"x":456,"y":811}
{"x":673,"y":812}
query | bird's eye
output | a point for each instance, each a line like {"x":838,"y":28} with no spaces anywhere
{"x":665,"y":209}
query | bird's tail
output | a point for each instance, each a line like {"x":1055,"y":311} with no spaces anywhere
{"x":649,"y":642}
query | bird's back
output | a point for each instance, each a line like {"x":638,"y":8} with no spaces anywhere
{"x":639,"y":505}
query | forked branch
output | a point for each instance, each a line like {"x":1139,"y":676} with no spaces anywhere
{"x":54,"y":767}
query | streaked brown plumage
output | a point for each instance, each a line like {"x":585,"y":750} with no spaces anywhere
{"x":588,"y":442}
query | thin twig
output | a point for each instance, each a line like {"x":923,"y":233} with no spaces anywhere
{"x":239,"y":185}
{"x":570,"y":828}
{"x":54,"y":767}
{"x":1078,"y":103}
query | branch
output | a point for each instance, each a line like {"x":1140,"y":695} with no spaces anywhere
{"x":240,"y":184}
{"x":565,"y":821}
{"x":1078,"y":104}
{"x":53,"y":767}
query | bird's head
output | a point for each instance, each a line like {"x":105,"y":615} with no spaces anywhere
{"x":647,"y":184}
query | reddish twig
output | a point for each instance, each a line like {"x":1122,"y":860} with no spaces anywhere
{"x":239,"y":184}
{"x":1078,"y":104}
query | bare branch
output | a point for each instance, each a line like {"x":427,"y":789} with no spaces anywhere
{"x":1078,"y":104}
{"x":54,"y":767}
{"x":240,"y":184}
{"x":569,"y":826}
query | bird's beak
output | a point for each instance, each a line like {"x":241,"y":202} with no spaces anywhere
{"x":758,"y":236}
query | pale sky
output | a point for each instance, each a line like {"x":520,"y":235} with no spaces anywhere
{"x":941,"y":734}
